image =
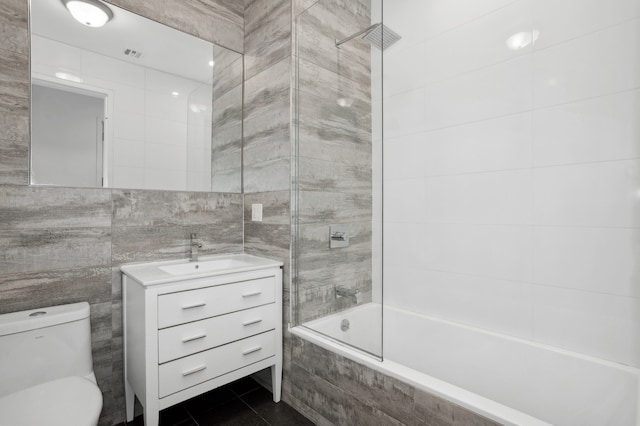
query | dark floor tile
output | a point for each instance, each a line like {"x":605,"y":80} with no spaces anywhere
{"x":188,"y":422}
{"x":207,"y":401}
{"x":172,"y":416}
{"x":280,"y":414}
{"x":233,"y":413}
{"x":244,"y":385}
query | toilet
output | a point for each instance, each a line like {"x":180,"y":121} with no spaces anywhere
{"x":46,"y":368}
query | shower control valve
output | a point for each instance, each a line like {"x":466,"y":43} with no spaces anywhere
{"x":338,"y":236}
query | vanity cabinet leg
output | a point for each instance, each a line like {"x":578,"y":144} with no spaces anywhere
{"x":129,"y":400}
{"x":276,"y":381}
{"x":151,"y":416}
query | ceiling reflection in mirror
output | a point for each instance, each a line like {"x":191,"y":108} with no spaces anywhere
{"x":132,"y":104}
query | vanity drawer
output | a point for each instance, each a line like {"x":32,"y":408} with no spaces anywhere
{"x":186,"y":372}
{"x":187,"y":339}
{"x":194,"y":305}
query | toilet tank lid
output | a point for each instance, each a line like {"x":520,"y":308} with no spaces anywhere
{"x":17,"y":322}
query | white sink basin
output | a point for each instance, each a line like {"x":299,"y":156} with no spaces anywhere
{"x":153,"y":273}
{"x":203,"y":266}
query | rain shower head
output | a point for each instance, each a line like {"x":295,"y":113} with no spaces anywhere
{"x":379,"y":35}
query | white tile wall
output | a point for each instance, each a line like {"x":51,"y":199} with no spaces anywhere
{"x":478,"y":44}
{"x":163,"y":131}
{"x":128,"y":152}
{"x":603,"y":260}
{"x":529,"y":163}
{"x":490,"y":92}
{"x":493,"y":251}
{"x":50,"y":56}
{"x":501,"y":305}
{"x":612,"y":132}
{"x":400,"y":208}
{"x":598,"y":324}
{"x":149,"y":143}
{"x":502,"y":143}
{"x":109,"y":69}
{"x":556,"y":20}
{"x":405,"y":157}
{"x":591,"y":194}
{"x":128,"y":177}
{"x":502,"y":197}
{"x":593,"y":65}
{"x":129,"y":125}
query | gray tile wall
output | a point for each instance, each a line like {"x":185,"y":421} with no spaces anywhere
{"x":335,"y":155}
{"x":64,"y":245}
{"x":267,"y":130}
{"x":218,"y":21}
{"x":226,"y":132}
{"x":267,"y":138}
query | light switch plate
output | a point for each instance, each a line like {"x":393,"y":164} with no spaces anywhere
{"x":256,"y":212}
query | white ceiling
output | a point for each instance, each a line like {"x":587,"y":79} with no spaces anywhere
{"x":163,"y":48}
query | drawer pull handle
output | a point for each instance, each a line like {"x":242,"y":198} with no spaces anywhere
{"x":197,"y":305}
{"x":193,"y":371}
{"x":255,"y":293}
{"x":252,"y":350}
{"x":255,"y":321}
{"x":191,"y":339}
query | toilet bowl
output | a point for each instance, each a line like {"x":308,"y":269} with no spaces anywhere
{"x":47,"y":368}
{"x":69,"y":401}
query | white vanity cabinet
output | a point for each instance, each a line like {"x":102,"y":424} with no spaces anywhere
{"x":212,"y":322}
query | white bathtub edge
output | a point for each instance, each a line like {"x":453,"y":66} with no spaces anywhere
{"x":476,"y":403}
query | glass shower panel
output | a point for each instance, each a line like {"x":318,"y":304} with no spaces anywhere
{"x":337,"y":260}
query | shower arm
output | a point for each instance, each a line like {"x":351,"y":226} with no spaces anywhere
{"x":359,"y":33}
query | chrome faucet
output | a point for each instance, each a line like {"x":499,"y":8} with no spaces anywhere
{"x":354,"y":295}
{"x":195,"y":245}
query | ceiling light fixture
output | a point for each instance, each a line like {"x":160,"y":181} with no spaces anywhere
{"x":521,"y":40}
{"x":91,"y":13}
{"x":211,"y":63}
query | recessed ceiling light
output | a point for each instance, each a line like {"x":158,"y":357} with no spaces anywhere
{"x":175,"y":94}
{"x":211,"y":63}
{"x":523,"y":39}
{"x":91,"y":13}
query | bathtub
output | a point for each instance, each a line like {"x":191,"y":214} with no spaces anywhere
{"x":512,"y":381}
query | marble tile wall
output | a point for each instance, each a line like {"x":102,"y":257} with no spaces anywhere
{"x":14,"y":92}
{"x":267,"y":116}
{"x":267,"y":131}
{"x":335,"y":154}
{"x":64,"y":245}
{"x":267,"y":136}
{"x":226,"y":133}
{"x":267,"y":139}
{"x":218,"y":21}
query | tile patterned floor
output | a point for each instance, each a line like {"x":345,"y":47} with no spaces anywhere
{"x":241,"y":403}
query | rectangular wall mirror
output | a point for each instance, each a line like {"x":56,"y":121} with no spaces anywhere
{"x":132,"y":104}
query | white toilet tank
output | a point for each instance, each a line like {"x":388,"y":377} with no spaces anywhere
{"x":44,"y":344}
